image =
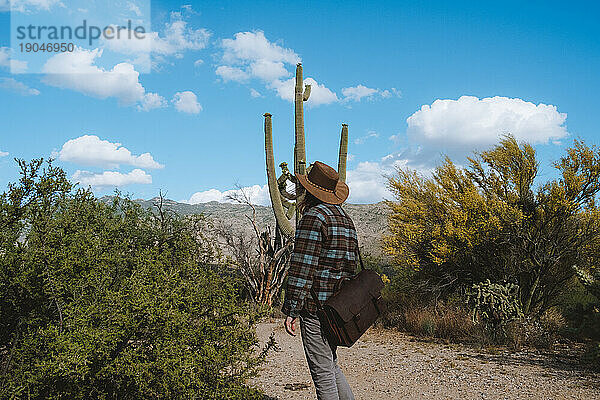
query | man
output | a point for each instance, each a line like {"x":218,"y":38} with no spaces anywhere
{"x":324,"y":253}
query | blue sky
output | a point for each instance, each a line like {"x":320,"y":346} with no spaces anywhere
{"x":413,"y":81}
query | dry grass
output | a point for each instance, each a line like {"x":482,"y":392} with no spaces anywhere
{"x":451,"y":321}
{"x":444,"y":321}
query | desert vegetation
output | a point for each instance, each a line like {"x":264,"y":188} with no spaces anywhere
{"x":490,"y":252}
{"x":111,"y":299}
{"x":114,"y":301}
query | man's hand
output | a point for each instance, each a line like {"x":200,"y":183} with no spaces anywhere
{"x":290,"y":325}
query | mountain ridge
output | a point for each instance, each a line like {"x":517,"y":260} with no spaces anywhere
{"x":371,"y":220}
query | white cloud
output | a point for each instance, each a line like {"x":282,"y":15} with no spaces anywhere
{"x":470,"y":123}
{"x":77,"y":71}
{"x":367,"y":182}
{"x":257,"y":194}
{"x":19,"y":87}
{"x":250,"y":55}
{"x":369,"y":135}
{"x":186,"y":102}
{"x":455,"y":128}
{"x":27,"y":6}
{"x":357,"y":93}
{"x":250,"y":47}
{"x":111,"y":178}
{"x":93,"y":151}
{"x":319,"y":94}
{"x":3,"y":153}
{"x":255,"y":93}
{"x":198,"y":62}
{"x":228,"y":73}
{"x":177,"y":38}
{"x":268,"y":70}
{"x":151,"y":101}
{"x":15,"y":66}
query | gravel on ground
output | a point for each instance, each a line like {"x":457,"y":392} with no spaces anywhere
{"x":386,"y":364}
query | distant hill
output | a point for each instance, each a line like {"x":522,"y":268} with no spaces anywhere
{"x":370,"y":219}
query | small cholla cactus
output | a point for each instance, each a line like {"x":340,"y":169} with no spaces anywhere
{"x":495,"y":304}
{"x":282,"y":201}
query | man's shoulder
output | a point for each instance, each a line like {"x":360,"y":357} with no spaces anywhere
{"x":323,"y":211}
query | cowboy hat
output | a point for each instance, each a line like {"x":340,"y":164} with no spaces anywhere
{"x":324,"y":183}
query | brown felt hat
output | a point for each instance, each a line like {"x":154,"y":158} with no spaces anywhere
{"x":323,"y":182}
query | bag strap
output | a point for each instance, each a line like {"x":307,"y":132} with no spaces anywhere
{"x":316,"y":299}
{"x":362,"y":265}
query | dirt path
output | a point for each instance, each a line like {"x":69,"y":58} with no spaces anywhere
{"x":390,"y":365}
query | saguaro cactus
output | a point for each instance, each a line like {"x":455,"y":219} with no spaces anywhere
{"x":281,"y":200}
{"x":343,"y":153}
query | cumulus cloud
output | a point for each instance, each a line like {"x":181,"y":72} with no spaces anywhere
{"x":150,"y":101}
{"x":228,"y":73}
{"x":470,"y":122}
{"x":250,"y":55}
{"x":250,"y":47}
{"x":93,"y":151}
{"x":186,"y":102}
{"x":3,"y":153}
{"x":19,"y":87}
{"x":111,"y":178}
{"x":77,"y":71}
{"x":6,"y":61}
{"x":257,"y":195}
{"x":368,"y":183}
{"x":255,"y":93}
{"x":455,"y":128}
{"x":176,"y":38}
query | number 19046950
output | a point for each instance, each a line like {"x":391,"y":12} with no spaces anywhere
{"x":46,"y":47}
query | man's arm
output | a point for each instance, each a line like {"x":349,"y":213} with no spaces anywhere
{"x":304,"y":261}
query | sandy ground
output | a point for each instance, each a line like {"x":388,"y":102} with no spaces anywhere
{"x":386,"y":364}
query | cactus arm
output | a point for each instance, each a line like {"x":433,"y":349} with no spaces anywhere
{"x":282,"y":183}
{"x":306,"y":94}
{"x":343,"y":153}
{"x":282,"y":221}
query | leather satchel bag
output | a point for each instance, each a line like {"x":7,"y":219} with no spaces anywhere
{"x":349,"y":312}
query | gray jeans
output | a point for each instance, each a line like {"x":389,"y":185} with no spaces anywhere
{"x":329,"y":379}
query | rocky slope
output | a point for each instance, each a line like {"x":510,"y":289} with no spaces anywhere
{"x":370,"y":219}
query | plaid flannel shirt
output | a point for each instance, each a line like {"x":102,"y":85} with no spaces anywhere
{"x":325,"y":251}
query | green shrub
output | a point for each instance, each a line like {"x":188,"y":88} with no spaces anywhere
{"x":109,"y":301}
